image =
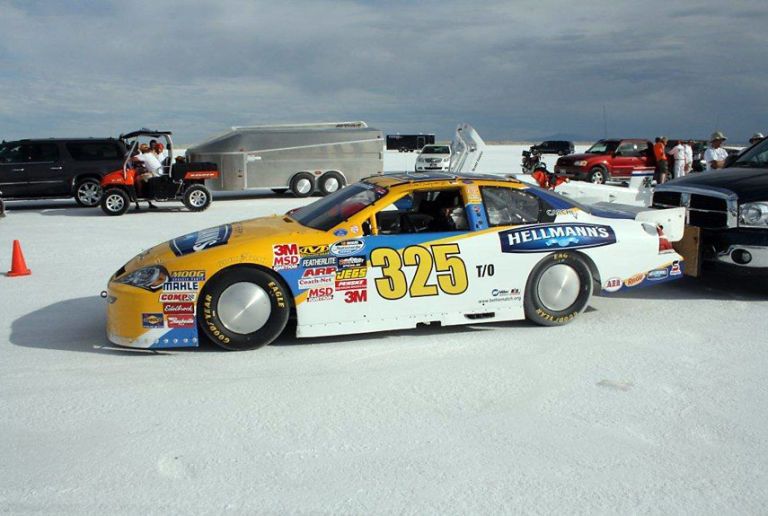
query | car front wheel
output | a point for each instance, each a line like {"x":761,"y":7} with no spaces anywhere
{"x":558,"y":289}
{"x":197,"y":198}
{"x":243,"y":308}
{"x":88,"y":192}
{"x":597,"y":175}
{"x":115,"y":201}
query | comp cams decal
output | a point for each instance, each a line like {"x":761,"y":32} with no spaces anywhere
{"x":556,"y":237}
{"x":201,"y":240}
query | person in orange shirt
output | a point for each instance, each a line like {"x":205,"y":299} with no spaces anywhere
{"x":661,"y":159}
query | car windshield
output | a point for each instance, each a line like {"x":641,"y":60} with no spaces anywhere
{"x":436,"y":149}
{"x":756,"y":157}
{"x":603,"y":147}
{"x":329,"y":211}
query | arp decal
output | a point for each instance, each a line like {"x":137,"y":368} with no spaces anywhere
{"x":613,"y":285}
{"x":313,"y":250}
{"x":319,"y":271}
{"x":152,"y":320}
{"x":285,"y":256}
{"x":201,"y":240}
{"x":347,"y":247}
{"x":318,"y":262}
{"x":553,"y":237}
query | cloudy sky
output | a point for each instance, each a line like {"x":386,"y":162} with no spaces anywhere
{"x":514,"y":70}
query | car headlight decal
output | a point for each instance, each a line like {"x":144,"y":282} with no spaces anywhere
{"x":149,"y":278}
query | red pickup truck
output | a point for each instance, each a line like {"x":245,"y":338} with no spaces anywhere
{"x":608,"y":160}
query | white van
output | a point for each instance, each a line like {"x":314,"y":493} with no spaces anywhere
{"x":435,"y":157}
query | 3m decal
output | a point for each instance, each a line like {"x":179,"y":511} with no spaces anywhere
{"x":179,"y":308}
{"x":285,"y":256}
{"x":451,"y":271}
{"x":313,"y":250}
{"x":201,"y":240}
{"x":152,"y":320}
{"x":613,"y":285}
{"x":356,"y":296}
{"x":318,"y":262}
{"x":555,"y":236}
{"x":171,"y":297}
{"x":347,"y":247}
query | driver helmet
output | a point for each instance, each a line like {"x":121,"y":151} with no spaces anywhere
{"x":756,"y":137}
{"x":541,"y":166}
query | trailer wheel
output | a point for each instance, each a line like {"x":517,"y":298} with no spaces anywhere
{"x":302,"y":184}
{"x":115,"y":201}
{"x":331,"y":182}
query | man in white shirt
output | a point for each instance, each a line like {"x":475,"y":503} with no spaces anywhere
{"x":678,"y":154}
{"x":153,"y":168}
{"x":688,"y":156}
{"x":715,"y":155}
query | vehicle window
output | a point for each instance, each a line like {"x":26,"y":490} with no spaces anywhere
{"x":438,"y":149}
{"x":508,"y":206}
{"x":431,"y":211}
{"x":631,"y":148}
{"x":94,"y":151}
{"x":756,"y":157}
{"x":14,"y":153}
{"x":44,"y":152}
{"x":603,"y":147}
{"x":339,"y":206}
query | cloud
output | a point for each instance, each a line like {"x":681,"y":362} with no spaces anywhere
{"x":517,"y":70}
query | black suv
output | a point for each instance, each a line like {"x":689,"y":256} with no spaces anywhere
{"x":58,"y":168}
{"x":559,"y":147}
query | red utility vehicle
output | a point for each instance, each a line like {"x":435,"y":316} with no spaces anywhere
{"x":609,"y":160}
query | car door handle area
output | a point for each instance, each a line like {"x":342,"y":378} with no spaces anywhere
{"x":17,"y":170}
{"x":56,"y":168}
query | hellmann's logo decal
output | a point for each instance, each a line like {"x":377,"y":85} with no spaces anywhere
{"x":552,"y":237}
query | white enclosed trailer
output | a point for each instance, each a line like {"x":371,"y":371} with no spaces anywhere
{"x":303,"y":157}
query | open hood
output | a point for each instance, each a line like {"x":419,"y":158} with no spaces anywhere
{"x":467,"y":148}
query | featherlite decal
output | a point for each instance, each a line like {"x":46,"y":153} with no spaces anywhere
{"x":553,"y":237}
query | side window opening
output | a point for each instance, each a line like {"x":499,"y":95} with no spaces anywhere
{"x":430,"y":211}
{"x":509,"y":206}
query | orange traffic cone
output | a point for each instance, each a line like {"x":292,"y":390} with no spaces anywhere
{"x":18,"y":265}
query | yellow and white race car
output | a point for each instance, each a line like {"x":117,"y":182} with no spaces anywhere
{"x":389,"y":252}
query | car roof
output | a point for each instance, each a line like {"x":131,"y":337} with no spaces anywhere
{"x":56,"y":140}
{"x":401,"y":178}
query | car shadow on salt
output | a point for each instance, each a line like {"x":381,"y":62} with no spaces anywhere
{"x":708,"y":286}
{"x":72,"y":325}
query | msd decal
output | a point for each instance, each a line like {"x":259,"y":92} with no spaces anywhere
{"x":201,"y":240}
{"x":552,"y":237}
{"x":320,"y":294}
{"x":285,"y":256}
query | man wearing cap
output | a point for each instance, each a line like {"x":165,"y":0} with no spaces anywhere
{"x":715,"y":155}
{"x":688,"y":156}
{"x":756,"y":138}
{"x":678,"y":153}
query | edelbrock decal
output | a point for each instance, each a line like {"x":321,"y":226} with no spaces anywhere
{"x":347,"y":247}
{"x":201,"y":240}
{"x":553,"y":237}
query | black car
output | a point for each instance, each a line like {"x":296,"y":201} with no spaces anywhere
{"x":559,"y":147}
{"x":56,"y":168}
{"x":731,"y":208}
{"x":409,"y":142}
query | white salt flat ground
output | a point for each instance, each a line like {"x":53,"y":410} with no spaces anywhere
{"x":650,"y":402}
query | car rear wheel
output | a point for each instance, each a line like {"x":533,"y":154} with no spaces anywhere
{"x":115,"y":201}
{"x":597,"y":175}
{"x":243,"y":308}
{"x":302,"y":184}
{"x":197,"y":198}
{"x":558,"y":289}
{"x":330,"y":182}
{"x":88,"y":192}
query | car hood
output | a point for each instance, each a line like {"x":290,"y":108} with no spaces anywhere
{"x":571,"y":158}
{"x":253,"y":237}
{"x":749,"y":184}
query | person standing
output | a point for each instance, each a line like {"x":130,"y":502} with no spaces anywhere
{"x":756,"y":138}
{"x":678,"y":153}
{"x":661,"y":159}
{"x":715,"y":155}
{"x":688,"y":157}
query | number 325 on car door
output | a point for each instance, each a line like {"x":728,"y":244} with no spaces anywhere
{"x":451,"y":272}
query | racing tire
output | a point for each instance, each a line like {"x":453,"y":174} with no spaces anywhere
{"x":558,"y":289}
{"x":115,"y":201}
{"x":597,"y":175}
{"x":197,"y":198}
{"x":302,"y":184}
{"x":88,"y":192}
{"x":330,"y":182}
{"x":243,"y":308}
